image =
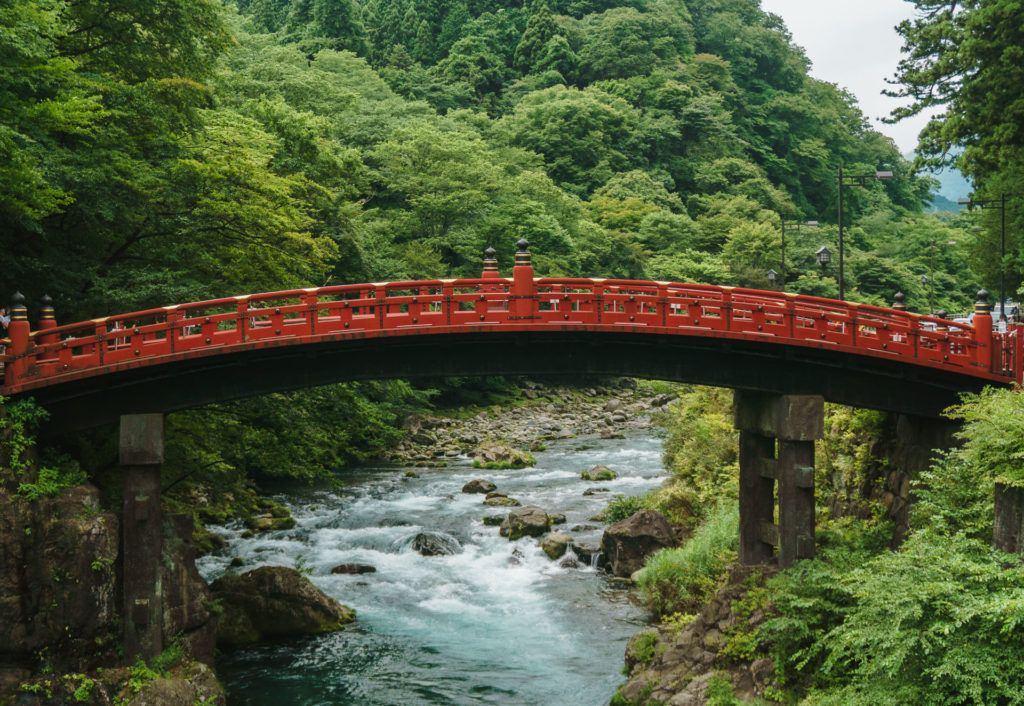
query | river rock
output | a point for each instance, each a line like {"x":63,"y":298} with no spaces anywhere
{"x":479,"y":485}
{"x":570,"y":562}
{"x":612,"y":405}
{"x":354,"y":569}
{"x":626,"y":544}
{"x":557,"y":519}
{"x":529,"y":521}
{"x":500,"y":456}
{"x":594,"y":491}
{"x":555,"y":544}
{"x":493,"y":520}
{"x":587,"y":553}
{"x":435,"y":544}
{"x":274,"y":602}
{"x":599,"y":472}
{"x":501,"y":501}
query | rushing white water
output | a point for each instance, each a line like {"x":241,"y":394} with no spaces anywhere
{"x":496,"y":623}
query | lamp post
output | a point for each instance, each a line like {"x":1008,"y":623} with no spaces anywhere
{"x":824,"y":257}
{"x":999,"y":205}
{"x":772,"y":276}
{"x":927,"y":291}
{"x":796,"y":225}
{"x":844,"y":181}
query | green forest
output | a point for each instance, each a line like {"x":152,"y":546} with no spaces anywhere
{"x":177,"y":150}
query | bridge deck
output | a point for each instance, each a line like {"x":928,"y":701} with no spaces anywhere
{"x":61,"y":355}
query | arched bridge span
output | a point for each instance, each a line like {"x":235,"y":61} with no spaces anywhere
{"x":784,"y":353}
{"x":176,"y":357}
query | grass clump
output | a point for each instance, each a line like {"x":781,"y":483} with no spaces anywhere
{"x":680,"y":580}
{"x":623,"y":506}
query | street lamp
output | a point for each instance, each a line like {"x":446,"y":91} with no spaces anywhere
{"x":847,"y":180}
{"x":999,"y":205}
{"x":772,"y":276}
{"x":824,"y":256}
{"x":796,"y":225}
{"x":927,"y":291}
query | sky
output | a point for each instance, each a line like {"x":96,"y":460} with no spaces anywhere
{"x":854,"y":43}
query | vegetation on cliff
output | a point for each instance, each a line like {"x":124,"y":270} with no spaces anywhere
{"x":934,"y":621}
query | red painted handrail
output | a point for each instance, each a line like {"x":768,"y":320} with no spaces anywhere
{"x":51,"y":356}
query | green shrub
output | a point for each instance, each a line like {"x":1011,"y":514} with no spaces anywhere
{"x":643,"y":647}
{"x":701,"y":446}
{"x":622,"y":506}
{"x":952,"y":497}
{"x":993,"y":434}
{"x":680,"y":580}
{"x":52,"y":479}
{"x":18,"y":423}
{"x":937,"y":622}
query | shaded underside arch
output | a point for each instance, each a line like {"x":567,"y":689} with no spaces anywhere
{"x":857,"y":380}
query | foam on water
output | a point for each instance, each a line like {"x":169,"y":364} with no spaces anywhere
{"x":495,"y":623}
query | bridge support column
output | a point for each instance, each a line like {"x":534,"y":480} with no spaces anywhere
{"x":795,"y":421}
{"x":141,"y":456}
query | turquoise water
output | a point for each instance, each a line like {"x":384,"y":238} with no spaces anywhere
{"x":497,"y":623}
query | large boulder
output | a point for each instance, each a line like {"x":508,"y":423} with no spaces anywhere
{"x":479,"y":485}
{"x":499,"y":456}
{"x":529,"y":521}
{"x":626,"y":544}
{"x":274,"y":602}
{"x":599,"y":472}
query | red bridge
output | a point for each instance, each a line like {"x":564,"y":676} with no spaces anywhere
{"x":784,"y":354}
{"x":172,"y":358}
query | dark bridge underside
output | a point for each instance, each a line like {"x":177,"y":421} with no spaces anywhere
{"x":743,"y":365}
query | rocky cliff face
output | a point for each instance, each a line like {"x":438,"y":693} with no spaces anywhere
{"x":60,"y":599}
{"x":675,"y":666}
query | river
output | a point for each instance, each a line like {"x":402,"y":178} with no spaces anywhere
{"x":483,"y":626}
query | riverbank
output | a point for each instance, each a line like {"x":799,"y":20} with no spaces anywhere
{"x":535,"y":415}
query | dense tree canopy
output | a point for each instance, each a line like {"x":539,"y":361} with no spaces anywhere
{"x":966,"y":59}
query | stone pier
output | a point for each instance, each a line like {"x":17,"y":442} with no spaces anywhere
{"x":141,"y":456}
{"x":777,"y":435}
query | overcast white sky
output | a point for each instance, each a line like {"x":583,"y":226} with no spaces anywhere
{"x":854,"y":43}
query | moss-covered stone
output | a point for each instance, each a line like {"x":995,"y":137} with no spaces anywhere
{"x":501,"y":457}
{"x":599,"y":473}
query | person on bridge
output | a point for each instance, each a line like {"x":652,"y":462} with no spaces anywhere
{"x":5,"y":321}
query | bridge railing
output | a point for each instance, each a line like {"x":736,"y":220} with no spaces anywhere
{"x":219,"y":325}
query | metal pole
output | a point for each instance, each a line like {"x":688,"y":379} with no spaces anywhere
{"x":842,"y":270}
{"x":782,"y":275}
{"x":1002,"y":258}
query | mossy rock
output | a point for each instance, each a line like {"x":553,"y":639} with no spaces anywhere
{"x":493,"y":520}
{"x":502,"y":458}
{"x":599,"y":473}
